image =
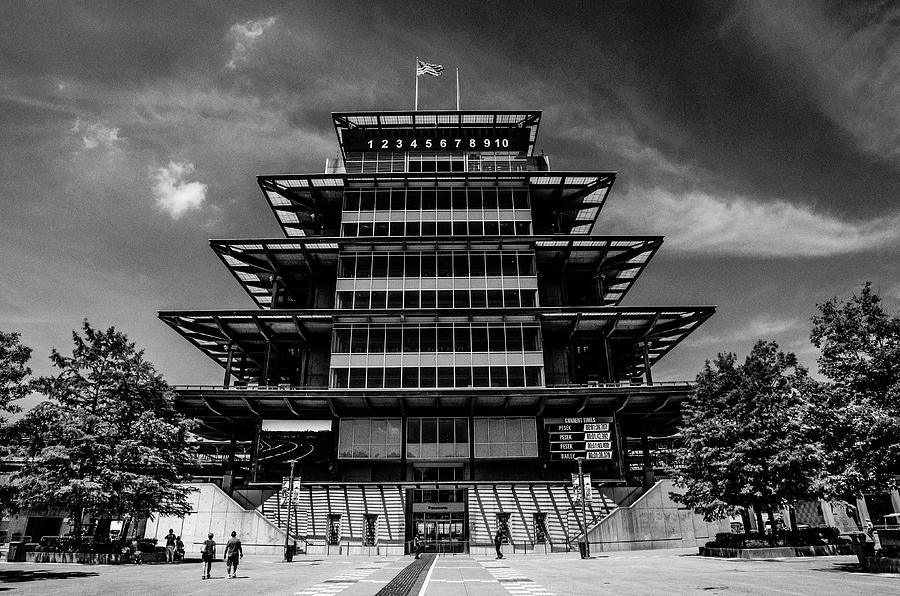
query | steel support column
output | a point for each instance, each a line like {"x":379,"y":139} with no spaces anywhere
{"x":254,"y":450}
{"x":228,"y":364}
{"x":647,"y":375}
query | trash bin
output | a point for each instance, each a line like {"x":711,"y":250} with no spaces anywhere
{"x":582,"y":548}
{"x":16,"y":552}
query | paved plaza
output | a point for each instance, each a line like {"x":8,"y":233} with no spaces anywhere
{"x":640,"y":572}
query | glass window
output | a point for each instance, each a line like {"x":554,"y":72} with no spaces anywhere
{"x":480,"y":376}
{"x":357,"y":378}
{"x":411,"y":339}
{"x":369,"y":438}
{"x":479,"y":299}
{"x":427,"y":376}
{"x":339,"y":378}
{"x":363,"y":266}
{"x":498,"y":376}
{"x":374,"y":378}
{"x":463,"y":376}
{"x":412,"y":263}
{"x":445,"y":265}
{"x":505,"y":437}
{"x":445,"y":376}
{"x":379,"y":266}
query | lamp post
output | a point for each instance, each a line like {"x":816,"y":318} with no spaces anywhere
{"x":587,"y":545}
{"x":288,"y":551}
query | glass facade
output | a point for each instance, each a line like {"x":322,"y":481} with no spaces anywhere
{"x":505,"y":437}
{"x":435,"y":161}
{"x":369,"y":438}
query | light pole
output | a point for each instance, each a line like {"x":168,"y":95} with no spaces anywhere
{"x":288,"y":551}
{"x":587,"y":545}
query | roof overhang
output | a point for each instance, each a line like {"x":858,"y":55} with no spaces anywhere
{"x":390,"y":121}
{"x":250,"y":335}
{"x":256,"y":263}
{"x":218,"y":408}
{"x":306,"y":203}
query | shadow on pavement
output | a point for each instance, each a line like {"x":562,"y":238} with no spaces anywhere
{"x":22,"y":575}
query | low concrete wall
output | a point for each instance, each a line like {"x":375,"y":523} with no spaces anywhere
{"x":212,"y":510}
{"x":828,"y":550}
{"x":653,"y":521}
{"x":88,"y":558}
{"x":354,"y":549}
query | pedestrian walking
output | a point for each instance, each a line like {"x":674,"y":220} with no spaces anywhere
{"x":208,"y":553}
{"x":233,"y":554}
{"x":179,"y":549}
{"x":498,"y":542}
{"x":417,"y":544}
{"x":171,"y":539}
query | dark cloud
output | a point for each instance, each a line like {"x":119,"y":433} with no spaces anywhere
{"x":760,"y":137}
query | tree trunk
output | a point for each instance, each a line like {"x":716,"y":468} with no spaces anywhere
{"x":77,"y":525}
{"x":126,"y":524}
{"x":760,"y":526}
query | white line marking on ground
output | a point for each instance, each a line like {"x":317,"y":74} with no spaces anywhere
{"x":428,"y":576}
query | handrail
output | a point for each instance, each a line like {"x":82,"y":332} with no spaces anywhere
{"x":256,"y":387}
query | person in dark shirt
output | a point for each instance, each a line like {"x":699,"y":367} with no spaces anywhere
{"x":170,"y":546}
{"x":179,"y":549}
{"x":233,"y":554}
{"x":498,"y":542}
{"x":208,"y":554}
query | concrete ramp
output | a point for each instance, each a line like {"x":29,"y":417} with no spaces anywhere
{"x":214,"y":511}
{"x":653,"y":521}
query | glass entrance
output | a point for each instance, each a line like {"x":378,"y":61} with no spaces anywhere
{"x":441,"y":532}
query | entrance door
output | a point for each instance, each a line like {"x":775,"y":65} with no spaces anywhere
{"x":442,"y":532}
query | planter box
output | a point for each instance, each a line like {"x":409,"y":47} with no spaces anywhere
{"x":880,"y":564}
{"x":88,"y":558}
{"x":777,"y":552}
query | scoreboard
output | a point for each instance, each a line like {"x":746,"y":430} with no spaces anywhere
{"x":436,"y":139}
{"x":590,"y":438}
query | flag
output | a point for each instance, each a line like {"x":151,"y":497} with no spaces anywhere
{"x":429,"y":69}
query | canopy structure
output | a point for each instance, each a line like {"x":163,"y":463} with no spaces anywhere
{"x":388,"y":122}
{"x":307,"y":204}
{"x":257,"y":340}
{"x":222,"y":411}
{"x":256,"y":263}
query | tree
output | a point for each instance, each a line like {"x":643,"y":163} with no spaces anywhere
{"x":109,"y":441}
{"x":14,"y":373}
{"x":745,"y":441}
{"x":859,"y":413}
{"x":14,"y":385}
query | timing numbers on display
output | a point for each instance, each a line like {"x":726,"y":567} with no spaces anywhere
{"x":499,"y":143}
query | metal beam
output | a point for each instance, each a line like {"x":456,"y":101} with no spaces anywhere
{"x":330,"y":403}
{"x":290,"y":406}
{"x":212,"y":409}
{"x":250,"y":406}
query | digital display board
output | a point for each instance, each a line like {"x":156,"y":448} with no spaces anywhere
{"x":589,"y":438}
{"x":436,"y":139}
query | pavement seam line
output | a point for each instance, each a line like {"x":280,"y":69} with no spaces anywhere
{"x":428,"y":575}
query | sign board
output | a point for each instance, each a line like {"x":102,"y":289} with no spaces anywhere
{"x":577,"y":487}
{"x":436,"y":139}
{"x":438,"y":507}
{"x":589,"y":438}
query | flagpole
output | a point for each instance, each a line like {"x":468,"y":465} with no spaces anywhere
{"x":417,"y":84}
{"x":457,"y":88}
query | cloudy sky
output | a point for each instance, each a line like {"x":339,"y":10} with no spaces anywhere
{"x":762,"y":139}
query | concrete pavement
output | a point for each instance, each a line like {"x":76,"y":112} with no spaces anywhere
{"x":638,"y":572}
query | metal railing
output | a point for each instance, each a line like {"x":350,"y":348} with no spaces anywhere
{"x":284,"y":387}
